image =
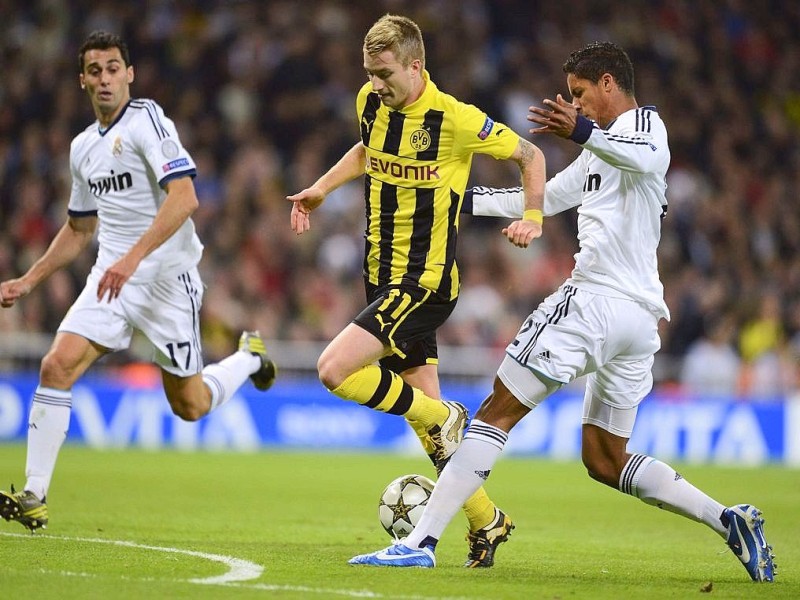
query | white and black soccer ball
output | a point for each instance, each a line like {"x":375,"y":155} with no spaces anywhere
{"x":402,"y":504}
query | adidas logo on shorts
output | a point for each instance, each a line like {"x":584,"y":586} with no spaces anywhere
{"x":544,"y":356}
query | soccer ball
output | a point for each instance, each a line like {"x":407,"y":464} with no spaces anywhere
{"x":402,"y":504}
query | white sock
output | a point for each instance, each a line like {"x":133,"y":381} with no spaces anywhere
{"x":660,"y":485}
{"x":48,"y":423}
{"x":464,"y":474}
{"x":228,"y":375}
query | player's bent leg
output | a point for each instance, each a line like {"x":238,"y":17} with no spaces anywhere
{"x":742,"y":526}
{"x":69,"y":357}
{"x":603,"y":454}
{"x":352,"y":349}
{"x":658,"y":484}
{"x":189,"y":397}
{"x":224,"y":378}
{"x":193,"y":396}
{"x":346,"y":369}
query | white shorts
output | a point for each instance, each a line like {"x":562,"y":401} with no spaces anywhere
{"x":575,"y":332}
{"x":167,"y":312}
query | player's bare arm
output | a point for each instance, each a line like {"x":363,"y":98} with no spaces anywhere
{"x":532,"y":169}
{"x":180,"y":203}
{"x":68,"y":243}
{"x":558,"y":117}
{"x":350,"y":166}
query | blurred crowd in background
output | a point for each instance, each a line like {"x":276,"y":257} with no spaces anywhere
{"x":263,"y":97}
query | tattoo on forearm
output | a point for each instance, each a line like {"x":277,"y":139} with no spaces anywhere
{"x":526,"y":154}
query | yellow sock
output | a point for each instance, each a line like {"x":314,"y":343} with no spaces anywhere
{"x":385,"y":391}
{"x":425,"y":410}
{"x":422,"y":434}
{"x":479,"y":509}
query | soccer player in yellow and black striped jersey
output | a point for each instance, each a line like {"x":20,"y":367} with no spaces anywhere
{"x":415,"y":153}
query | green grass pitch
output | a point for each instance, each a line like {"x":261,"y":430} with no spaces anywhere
{"x":136,"y":524}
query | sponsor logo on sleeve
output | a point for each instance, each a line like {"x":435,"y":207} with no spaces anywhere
{"x":174,"y":164}
{"x":486,"y":129}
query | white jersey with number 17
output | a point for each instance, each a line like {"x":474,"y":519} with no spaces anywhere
{"x":119,"y":175}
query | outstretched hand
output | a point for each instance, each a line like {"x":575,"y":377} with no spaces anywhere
{"x":559,"y":117}
{"x":303,"y":203}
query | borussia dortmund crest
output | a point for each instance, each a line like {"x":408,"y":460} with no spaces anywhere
{"x":420,"y":140}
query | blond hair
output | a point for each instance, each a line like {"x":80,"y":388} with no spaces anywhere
{"x":397,"y":34}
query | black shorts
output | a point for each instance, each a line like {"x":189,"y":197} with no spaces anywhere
{"x":405,"y":318}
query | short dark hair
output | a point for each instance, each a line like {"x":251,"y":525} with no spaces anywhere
{"x":103,"y":40}
{"x":592,"y":61}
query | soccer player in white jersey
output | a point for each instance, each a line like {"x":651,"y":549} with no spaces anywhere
{"x":602,"y":322}
{"x":131,"y":179}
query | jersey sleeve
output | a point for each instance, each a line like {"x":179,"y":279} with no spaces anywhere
{"x":636,"y":143}
{"x":82,"y":202}
{"x":476,"y":132}
{"x":157,"y":140}
{"x":561,"y":192}
{"x":494,"y":202}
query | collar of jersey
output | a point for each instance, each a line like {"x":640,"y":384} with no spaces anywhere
{"x":102,"y":131}
{"x":646,"y":107}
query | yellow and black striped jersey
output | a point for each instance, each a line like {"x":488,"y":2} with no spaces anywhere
{"x":417,"y":166}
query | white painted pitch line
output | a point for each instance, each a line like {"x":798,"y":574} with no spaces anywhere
{"x":240,"y":571}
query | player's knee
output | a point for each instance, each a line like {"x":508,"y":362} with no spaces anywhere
{"x":56,"y":372}
{"x":188,"y":407}
{"x":329,"y":374}
{"x":501,"y":408}
{"x":188,"y":412}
